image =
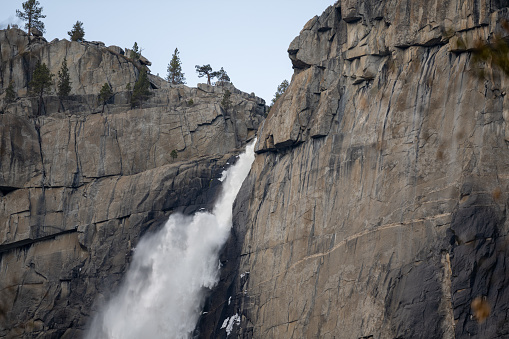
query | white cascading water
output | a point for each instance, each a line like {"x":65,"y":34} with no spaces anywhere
{"x":164,"y":289}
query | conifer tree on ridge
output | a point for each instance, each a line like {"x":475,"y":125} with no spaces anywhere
{"x":175,"y":75}
{"x":32,"y":13}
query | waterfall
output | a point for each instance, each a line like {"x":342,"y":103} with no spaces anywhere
{"x":164,"y":289}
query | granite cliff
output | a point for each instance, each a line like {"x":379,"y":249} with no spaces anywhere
{"x":79,"y":187}
{"x":376,"y":206}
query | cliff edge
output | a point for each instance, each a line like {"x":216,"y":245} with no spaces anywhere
{"x":78,"y":186}
{"x":376,"y":206}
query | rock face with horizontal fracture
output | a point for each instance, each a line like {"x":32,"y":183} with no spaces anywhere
{"x":376,"y":206}
{"x":78,"y":187}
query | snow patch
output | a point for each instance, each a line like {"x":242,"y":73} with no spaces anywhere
{"x":229,"y":322}
{"x":223,"y":176}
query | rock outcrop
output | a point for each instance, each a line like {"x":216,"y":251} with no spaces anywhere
{"x":376,"y":206}
{"x":79,"y":187}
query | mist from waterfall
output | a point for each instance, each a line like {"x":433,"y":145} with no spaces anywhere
{"x":164,"y":289}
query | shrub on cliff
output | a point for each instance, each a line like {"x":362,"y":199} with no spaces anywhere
{"x":226,"y":103}
{"x":141,"y":91}
{"x":281,"y":89}
{"x":135,"y":52}
{"x":222,"y":77}
{"x":40,"y":83}
{"x":105,"y":94}
{"x":174,"y":154}
{"x":77,"y":33}
{"x":10,"y":95}
{"x":64,"y":81}
{"x":32,"y":13}
{"x":175,"y":75}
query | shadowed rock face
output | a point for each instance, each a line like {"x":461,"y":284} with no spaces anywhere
{"x":79,"y":187}
{"x":376,"y":206}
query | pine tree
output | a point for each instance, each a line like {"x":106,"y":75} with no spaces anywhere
{"x":280,"y":90}
{"x":77,"y":33}
{"x":41,"y":82}
{"x":141,"y":90}
{"x":222,"y":77}
{"x":135,"y":52}
{"x":175,"y":75}
{"x":174,"y":154}
{"x":32,"y":13}
{"x":64,"y":81}
{"x":10,"y":94}
{"x":226,"y":103}
{"x":105,"y":94}
{"x":205,"y":70}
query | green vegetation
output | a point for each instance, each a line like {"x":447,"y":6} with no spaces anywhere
{"x":205,"y":70}
{"x":32,"y":14}
{"x":64,"y":82}
{"x":190,"y":102}
{"x":174,"y":154}
{"x":222,"y":77}
{"x":105,"y":94}
{"x":175,"y":75}
{"x":77,"y":33}
{"x":226,"y":103}
{"x":135,"y":53}
{"x":10,"y":95}
{"x":141,"y":91}
{"x":41,"y":82}
{"x":280,"y":91}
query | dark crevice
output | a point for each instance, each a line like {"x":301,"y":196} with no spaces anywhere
{"x":324,"y":29}
{"x":4,"y":190}
{"x":29,"y":242}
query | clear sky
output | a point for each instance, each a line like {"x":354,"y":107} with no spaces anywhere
{"x":248,"y":38}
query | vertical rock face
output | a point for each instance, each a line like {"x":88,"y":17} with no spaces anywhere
{"x":376,"y":206}
{"x":78,"y":187}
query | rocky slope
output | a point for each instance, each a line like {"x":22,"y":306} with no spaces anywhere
{"x":376,"y":206}
{"x":79,"y":187}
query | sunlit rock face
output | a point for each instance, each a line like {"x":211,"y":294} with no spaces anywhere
{"x":78,"y":186}
{"x":376,"y":206}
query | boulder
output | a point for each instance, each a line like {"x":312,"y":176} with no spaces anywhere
{"x":144,"y":61}
{"x":35,"y":32}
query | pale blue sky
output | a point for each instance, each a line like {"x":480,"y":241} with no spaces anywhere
{"x":248,"y":38}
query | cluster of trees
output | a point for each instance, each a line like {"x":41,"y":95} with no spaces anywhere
{"x":32,"y":14}
{"x":176,"y":76}
{"x":42,"y":80}
{"x":206,"y":70}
